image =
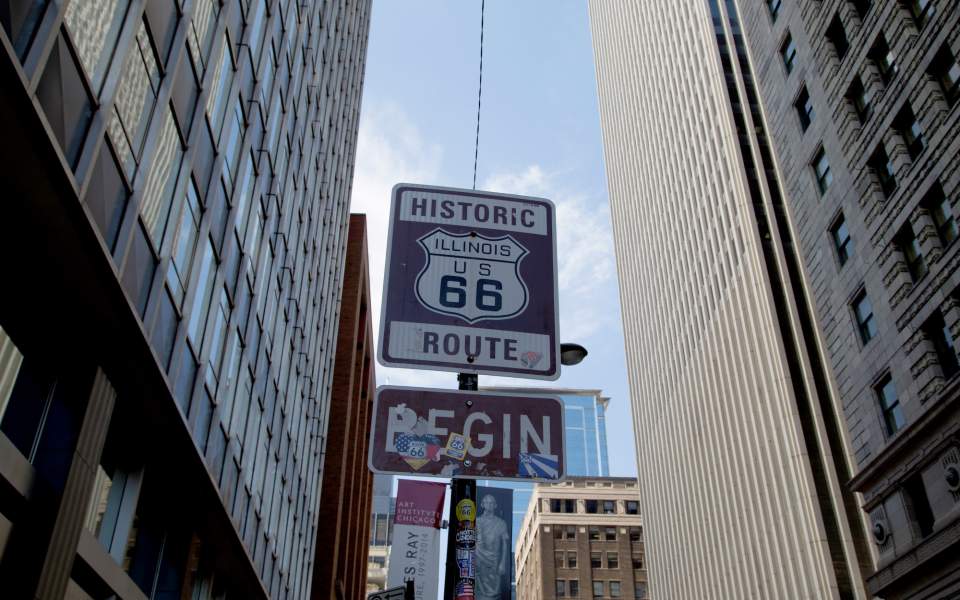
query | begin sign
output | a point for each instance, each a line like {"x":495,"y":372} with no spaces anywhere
{"x":481,"y":435}
{"x":470,"y":283}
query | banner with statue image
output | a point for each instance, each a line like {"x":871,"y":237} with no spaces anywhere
{"x":494,"y":554}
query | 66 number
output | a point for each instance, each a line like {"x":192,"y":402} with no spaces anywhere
{"x":453,"y":293}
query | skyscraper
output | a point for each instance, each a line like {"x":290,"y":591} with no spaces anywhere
{"x":176,"y":183}
{"x":742,"y":455}
{"x":860,"y":100}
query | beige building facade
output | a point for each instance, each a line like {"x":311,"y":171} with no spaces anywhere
{"x":582,"y":538}
{"x":743,"y":458}
{"x":845,"y":130}
{"x":861,"y":102}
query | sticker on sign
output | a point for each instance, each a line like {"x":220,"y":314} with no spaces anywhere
{"x":481,"y":435}
{"x":470,"y":283}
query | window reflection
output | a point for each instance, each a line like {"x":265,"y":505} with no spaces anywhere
{"x":94,"y":26}
{"x":136,"y":96}
{"x":158,"y":191}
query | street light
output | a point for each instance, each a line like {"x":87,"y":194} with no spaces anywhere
{"x":572,"y":354}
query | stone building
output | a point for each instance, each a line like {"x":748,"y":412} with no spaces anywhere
{"x":860,"y":100}
{"x":582,"y":538}
{"x":835,"y":125}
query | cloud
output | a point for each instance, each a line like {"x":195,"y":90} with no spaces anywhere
{"x":390,"y":149}
{"x":585,"y":262}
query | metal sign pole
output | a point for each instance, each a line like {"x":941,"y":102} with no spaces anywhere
{"x":462,"y":533}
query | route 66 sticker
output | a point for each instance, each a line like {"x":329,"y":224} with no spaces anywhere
{"x":456,"y":446}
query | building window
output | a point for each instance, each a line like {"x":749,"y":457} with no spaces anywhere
{"x":838,"y":36}
{"x":884,"y":59}
{"x":94,"y":28}
{"x":921,"y":11}
{"x":178,"y":275}
{"x":889,"y":405}
{"x":821,"y":169}
{"x":637,"y":561}
{"x":788,"y":52}
{"x":879,"y":163}
{"x":594,"y":533}
{"x":613,"y":560}
{"x":861,"y":101}
{"x":862,"y":7}
{"x":202,"y":295}
{"x":863,"y":311}
{"x":804,"y":106}
{"x":574,"y":588}
{"x":774,"y":7}
{"x":946,"y":71}
{"x":571,"y":532}
{"x":561,"y":588}
{"x":136,"y":96}
{"x":939,"y":206}
{"x":595,"y":560}
{"x":939,"y":333}
{"x":909,"y":246}
{"x":639,"y":590}
{"x":909,"y":129}
{"x":161,"y":179}
{"x":598,"y":589}
{"x":634,"y":534}
{"x":614,"y":589}
{"x":220,"y":92}
{"x":610,"y":534}
{"x":557,"y":533}
{"x":633,"y":507}
{"x":591,"y":506}
{"x":918,"y":506}
{"x":107,"y":196}
{"x":571,"y":560}
{"x":200,"y":33}
{"x":609,"y":507}
{"x":558,"y":560}
{"x":841,"y":240}
{"x":563,"y":505}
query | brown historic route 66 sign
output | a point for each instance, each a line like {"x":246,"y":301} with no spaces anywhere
{"x":470,"y":283}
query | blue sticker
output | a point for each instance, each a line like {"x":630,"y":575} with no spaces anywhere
{"x":543,"y":466}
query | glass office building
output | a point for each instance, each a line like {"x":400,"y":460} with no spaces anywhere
{"x":176,"y":180}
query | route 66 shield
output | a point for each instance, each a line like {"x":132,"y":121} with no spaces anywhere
{"x":472,"y":276}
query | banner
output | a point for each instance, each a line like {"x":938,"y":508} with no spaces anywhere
{"x":416,"y":537}
{"x":494,"y":553}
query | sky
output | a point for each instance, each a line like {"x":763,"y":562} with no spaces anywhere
{"x":539,"y":136}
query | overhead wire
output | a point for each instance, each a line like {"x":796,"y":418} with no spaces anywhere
{"x":476,"y":145}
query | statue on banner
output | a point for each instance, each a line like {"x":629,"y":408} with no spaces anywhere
{"x":493,"y":553}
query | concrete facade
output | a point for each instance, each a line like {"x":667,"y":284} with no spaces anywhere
{"x":888,"y":124}
{"x":582,"y":538}
{"x":177,"y":181}
{"x":742,"y":456}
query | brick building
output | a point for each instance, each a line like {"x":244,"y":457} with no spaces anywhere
{"x":582,"y":538}
{"x":347,"y":486}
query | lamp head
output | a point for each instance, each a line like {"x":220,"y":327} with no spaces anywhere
{"x":572,"y":354}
